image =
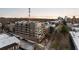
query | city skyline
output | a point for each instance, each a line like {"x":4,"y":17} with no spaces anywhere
{"x":39,"y":12}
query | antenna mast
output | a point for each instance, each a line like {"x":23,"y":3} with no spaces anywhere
{"x":29,"y":14}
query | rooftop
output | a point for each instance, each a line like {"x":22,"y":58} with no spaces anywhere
{"x":7,"y":40}
{"x":75,"y":37}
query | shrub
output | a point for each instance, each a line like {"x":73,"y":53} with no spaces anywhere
{"x":64,"y":29}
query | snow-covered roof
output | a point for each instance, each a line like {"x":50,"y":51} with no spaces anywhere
{"x":75,"y":37}
{"x":76,"y":24}
{"x":7,"y":40}
{"x":75,"y":28}
{"x":56,"y":21}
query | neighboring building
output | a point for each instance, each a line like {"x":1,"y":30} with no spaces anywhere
{"x":0,"y":27}
{"x":69,"y":25}
{"x":75,"y":35}
{"x":32,"y":30}
{"x":39,"y":30}
{"x":11,"y":27}
{"x":66,"y":18}
{"x":9,"y":42}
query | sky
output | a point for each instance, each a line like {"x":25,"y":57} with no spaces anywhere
{"x":39,"y":12}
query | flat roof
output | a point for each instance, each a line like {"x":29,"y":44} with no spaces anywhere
{"x":7,"y":40}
